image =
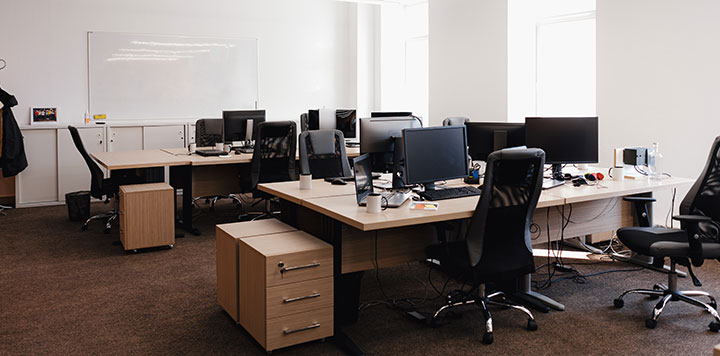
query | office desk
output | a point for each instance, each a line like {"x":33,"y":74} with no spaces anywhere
{"x":137,"y":159}
{"x":214,"y":175}
{"x":363,"y":241}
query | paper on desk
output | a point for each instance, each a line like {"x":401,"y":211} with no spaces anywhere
{"x":424,"y":206}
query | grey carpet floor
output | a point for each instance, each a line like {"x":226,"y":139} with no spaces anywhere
{"x":67,"y":292}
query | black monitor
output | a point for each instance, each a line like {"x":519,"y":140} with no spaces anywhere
{"x":564,"y":139}
{"x":390,"y":113}
{"x":237,"y":122}
{"x":434,"y":154}
{"x":487,"y":137}
{"x":345,"y":121}
{"x":376,"y":138}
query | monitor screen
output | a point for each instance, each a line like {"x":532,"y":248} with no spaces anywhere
{"x":487,"y":137}
{"x":236,"y":124}
{"x":344,"y":120}
{"x":390,"y":114}
{"x":564,"y":139}
{"x":435,"y":153}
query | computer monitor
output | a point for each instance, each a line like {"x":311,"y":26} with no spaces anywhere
{"x":434,"y":154}
{"x":485,"y":138}
{"x":344,"y":120}
{"x":390,"y":113}
{"x":241,"y":125}
{"x":565,"y":140}
{"x":376,"y":138}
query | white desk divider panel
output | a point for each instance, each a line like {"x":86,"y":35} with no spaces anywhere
{"x":145,"y":77}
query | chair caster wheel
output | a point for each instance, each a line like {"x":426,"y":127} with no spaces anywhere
{"x":170,"y":246}
{"x":650,"y":323}
{"x":84,"y":228}
{"x":487,"y":338}
{"x":532,"y":325}
{"x":618,"y":303}
{"x":714,"y":326}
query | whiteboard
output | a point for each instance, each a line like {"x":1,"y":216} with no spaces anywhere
{"x":140,"y":77}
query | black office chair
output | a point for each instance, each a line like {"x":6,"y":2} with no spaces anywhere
{"x":273,"y":158}
{"x":100,"y":188}
{"x":696,"y":240}
{"x":455,"y":121}
{"x":208,"y":132}
{"x":322,"y":154}
{"x":304,"y":122}
{"x":497,"y":247}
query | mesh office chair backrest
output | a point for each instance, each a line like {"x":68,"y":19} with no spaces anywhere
{"x":96,"y":174}
{"x":274,"y":154}
{"x":498,"y":238}
{"x":322,"y":154}
{"x":208,"y":132}
{"x":704,"y":196}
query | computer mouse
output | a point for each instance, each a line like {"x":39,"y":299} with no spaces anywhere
{"x":338,"y":181}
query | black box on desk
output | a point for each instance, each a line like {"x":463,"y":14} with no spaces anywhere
{"x":635,"y":156}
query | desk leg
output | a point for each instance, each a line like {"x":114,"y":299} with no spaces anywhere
{"x":347,"y":292}
{"x":535,"y":300}
{"x":181,"y":177}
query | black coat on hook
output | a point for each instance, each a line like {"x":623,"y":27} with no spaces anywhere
{"x":13,"y":160}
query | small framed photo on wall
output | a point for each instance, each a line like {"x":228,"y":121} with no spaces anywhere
{"x":43,"y":115}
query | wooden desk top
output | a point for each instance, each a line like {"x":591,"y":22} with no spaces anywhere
{"x":291,"y":191}
{"x":339,"y":202}
{"x":138,"y":159}
{"x":346,"y":210}
{"x":197,"y":160}
{"x":609,"y":188}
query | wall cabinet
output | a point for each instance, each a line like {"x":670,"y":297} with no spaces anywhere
{"x":55,"y":167}
{"x":124,"y":138}
{"x":38,"y":182}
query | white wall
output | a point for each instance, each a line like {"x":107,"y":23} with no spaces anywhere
{"x":307,"y":48}
{"x":468,"y":60}
{"x":658,"y":79}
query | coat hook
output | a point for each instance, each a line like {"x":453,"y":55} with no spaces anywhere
{"x":4,"y":64}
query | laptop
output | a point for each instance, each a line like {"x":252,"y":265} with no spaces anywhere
{"x":362,"y":166}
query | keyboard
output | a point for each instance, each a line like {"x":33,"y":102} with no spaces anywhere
{"x":210,"y":152}
{"x":551,"y":183}
{"x":394,"y":199}
{"x":449,"y":193}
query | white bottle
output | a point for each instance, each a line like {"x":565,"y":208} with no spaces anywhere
{"x":655,"y":162}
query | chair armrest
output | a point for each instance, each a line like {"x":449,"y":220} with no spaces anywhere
{"x":639,"y":199}
{"x":692,"y":218}
{"x":690,"y":224}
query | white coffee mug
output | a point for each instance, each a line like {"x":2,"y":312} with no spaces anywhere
{"x":219,"y":146}
{"x":374,"y":203}
{"x":306,"y":181}
{"x":227,"y":148}
{"x":191,"y":148}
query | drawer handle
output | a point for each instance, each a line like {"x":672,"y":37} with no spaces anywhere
{"x":284,"y":269}
{"x":296,"y":299}
{"x":309,"y":327}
